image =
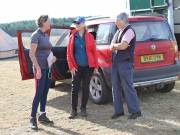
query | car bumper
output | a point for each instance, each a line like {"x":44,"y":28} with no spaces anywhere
{"x":157,"y":75}
{"x":158,"y":81}
{"x":152,"y":76}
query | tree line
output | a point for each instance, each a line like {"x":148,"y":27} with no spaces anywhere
{"x":11,"y":28}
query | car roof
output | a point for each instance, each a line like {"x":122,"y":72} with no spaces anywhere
{"x":102,"y":20}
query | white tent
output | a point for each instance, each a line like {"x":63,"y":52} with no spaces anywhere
{"x":8,"y":46}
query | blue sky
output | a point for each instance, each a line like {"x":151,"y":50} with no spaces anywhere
{"x":17,"y":10}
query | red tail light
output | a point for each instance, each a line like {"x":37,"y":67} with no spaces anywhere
{"x":175,"y":48}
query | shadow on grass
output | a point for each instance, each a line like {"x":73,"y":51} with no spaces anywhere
{"x":64,"y":131}
{"x":152,"y":120}
{"x":15,"y":58}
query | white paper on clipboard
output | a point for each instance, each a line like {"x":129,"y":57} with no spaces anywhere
{"x":50,"y":59}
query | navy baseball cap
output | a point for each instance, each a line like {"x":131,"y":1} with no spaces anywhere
{"x":79,"y":20}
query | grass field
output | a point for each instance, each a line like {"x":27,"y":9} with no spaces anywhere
{"x":161,"y":112}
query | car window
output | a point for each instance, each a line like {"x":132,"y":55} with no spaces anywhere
{"x":93,"y":30}
{"x":26,"y":39}
{"x":63,"y":41}
{"x":152,"y":31}
{"x":104,"y":34}
{"x":59,"y":37}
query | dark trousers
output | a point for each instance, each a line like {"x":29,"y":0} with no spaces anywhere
{"x":122,"y":81}
{"x":42,"y":88}
{"x":81,"y":78}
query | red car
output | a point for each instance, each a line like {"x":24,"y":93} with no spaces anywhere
{"x":156,"y":62}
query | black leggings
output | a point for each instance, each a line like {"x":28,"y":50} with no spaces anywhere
{"x":82,"y":76}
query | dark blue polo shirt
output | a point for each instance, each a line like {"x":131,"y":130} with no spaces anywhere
{"x":80,"y":50}
{"x":43,"y":47}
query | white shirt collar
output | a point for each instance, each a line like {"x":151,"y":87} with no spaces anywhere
{"x":121,"y":30}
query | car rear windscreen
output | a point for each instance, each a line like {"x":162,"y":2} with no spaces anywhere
{"x":152,"y":31}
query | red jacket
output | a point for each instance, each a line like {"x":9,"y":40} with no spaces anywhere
{"x":90,"y":50}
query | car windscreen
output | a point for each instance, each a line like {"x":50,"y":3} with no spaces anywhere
{"x":59,"y":37}
{"x":152,"y":31}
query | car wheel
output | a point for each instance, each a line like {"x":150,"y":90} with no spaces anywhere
{"x":98,"y":89}
{"x":167,"y":87}
{"x":52,"y":84}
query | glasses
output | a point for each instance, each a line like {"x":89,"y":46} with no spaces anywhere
{"x":78,"y":23}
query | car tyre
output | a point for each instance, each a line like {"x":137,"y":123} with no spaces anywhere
{"x":167,"y":87}
{"x":52,"y":84}
{"x":99,"y":92}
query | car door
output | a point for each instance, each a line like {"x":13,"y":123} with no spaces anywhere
{"x":59,"y":38}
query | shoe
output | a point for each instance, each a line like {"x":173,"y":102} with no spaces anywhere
{"x":83,"y":112}
{"x":135,"y":115}
{"x":33,"y":123}
{"x":43,"y":119}
{"x":114,"y":116}
{"x":73,"y":114}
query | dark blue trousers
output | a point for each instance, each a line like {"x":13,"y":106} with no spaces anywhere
{"x":42,"y":88}
{"x":122,"y":81}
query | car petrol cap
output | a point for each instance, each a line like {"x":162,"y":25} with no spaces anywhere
{"x":79,"y":20}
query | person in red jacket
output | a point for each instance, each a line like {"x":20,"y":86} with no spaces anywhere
{"x":82,"y":61}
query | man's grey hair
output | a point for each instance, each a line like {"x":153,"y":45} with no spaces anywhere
{"x":123,"y":17}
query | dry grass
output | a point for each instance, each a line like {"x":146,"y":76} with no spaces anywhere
{"x":161,"y":112}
